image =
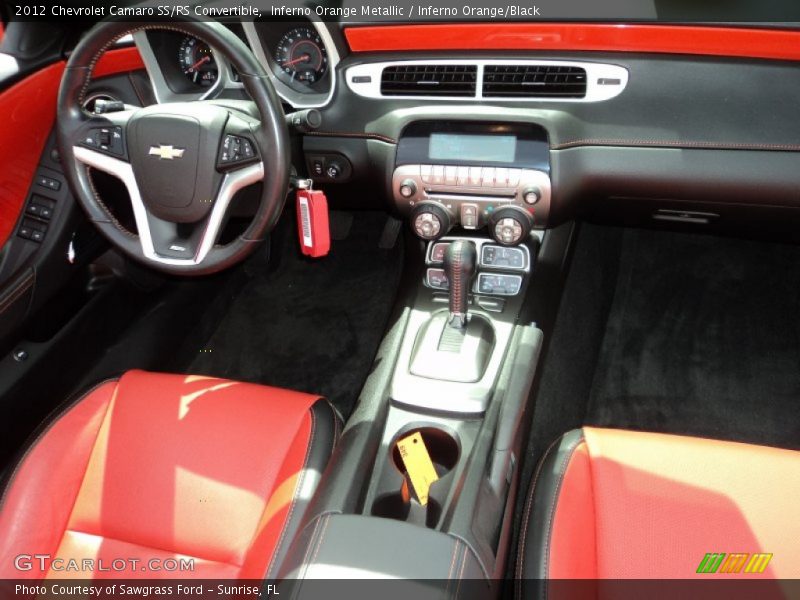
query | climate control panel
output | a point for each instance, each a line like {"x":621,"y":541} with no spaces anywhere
{"x":508,"y":201}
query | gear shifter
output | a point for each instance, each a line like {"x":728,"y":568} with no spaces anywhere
{"x":460,"y":263}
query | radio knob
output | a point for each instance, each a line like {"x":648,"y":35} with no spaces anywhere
{"x":408,"y":188}
{"x":531,"y":196}
{"x":430,"y":221}
{"x":509,"y":225}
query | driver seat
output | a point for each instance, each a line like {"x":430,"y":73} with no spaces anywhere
{"x":141,"y":472}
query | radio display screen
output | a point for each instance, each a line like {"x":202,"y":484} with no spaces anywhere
{"x":472,"y":147}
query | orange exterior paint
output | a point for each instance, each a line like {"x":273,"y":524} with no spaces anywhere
{"x":667,"y":39}
{"x":29,"y":111}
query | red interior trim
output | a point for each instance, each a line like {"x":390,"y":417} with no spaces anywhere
{"x":668,"y":39}
{"x":30,"y":106}
{"x":119,"y":60}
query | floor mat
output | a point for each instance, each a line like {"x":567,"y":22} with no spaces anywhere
{"x":703,"y":338}
{"x":310,"y":324}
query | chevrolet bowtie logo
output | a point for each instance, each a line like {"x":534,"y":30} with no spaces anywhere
{"x":166,"y":152}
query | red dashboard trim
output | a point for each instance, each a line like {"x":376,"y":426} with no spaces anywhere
{"x":30,"y":106}
{"x":667,"y":39}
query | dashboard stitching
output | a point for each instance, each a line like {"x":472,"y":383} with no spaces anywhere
{"x":368,"y":136}
{"x":677,"y":144}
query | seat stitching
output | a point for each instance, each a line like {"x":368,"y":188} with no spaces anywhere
{"x":321,"y":538}
{"x":295,"y":494}
{"x":548,"y":538}
{"x":151,"y":547}
{"x":526,"y":517}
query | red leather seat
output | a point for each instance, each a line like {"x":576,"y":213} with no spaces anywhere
{"x":153,"y":467}
{"x":612,"y":504}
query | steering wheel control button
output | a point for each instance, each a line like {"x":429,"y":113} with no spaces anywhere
{"x":437,"y":279}
{"x":235,"y":150}
{"x":105,"y":139}
{"x":500,"y":285}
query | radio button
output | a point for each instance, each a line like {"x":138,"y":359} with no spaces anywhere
{"x":488,"y":177}
{"x":425,"y":173}
{"x":437,"y":174}
{"x":451,"y":175}
{"x":475,"y":175}
{"x":500,"y":177}
{"x":463,"y":176}
{"x":513,"y":177}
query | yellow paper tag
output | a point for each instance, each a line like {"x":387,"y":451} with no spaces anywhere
{"x":418,"y":465}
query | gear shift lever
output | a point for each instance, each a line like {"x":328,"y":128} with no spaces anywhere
{"x":460,"y":262}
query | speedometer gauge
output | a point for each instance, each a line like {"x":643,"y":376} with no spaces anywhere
{"x":197,"y":62}
{"x":302,"y":55}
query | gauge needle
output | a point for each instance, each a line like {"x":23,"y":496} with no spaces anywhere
{"x":203,"y":60}
{"x":304,"y":58}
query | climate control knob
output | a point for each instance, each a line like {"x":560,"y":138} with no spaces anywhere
{"x":430,"y":220}
{"x":510,"y":225}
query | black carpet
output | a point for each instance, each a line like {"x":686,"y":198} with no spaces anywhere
{"x":310,"y":324}
{"x":703,"y":338}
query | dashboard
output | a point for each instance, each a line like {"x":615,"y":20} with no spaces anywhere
{"x":636,"y":136}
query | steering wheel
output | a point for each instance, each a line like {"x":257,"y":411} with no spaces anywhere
{"x":182,"y":163}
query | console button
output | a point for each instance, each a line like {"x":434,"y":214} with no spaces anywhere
{"x":502,"y":257}
{"x":487,"y":179}
{"x":463,"y":176}
{"x":469,"y":216}
{"x":500,"y":177}
{"x":437,"y":279}
{"x":451,"y":175}
{"x":437,"y":252}
{"x":437,"y":174}
{"x":502,"y":285}
{"x":513,"y":177}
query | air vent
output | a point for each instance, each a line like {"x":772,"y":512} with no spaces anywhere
{"x":534,"y":81}
{"x":429,"y":80}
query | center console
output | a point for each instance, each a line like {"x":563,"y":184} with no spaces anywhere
{"x":456,"y":367}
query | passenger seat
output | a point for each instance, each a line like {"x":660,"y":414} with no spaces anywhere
{"x":613,"y":504}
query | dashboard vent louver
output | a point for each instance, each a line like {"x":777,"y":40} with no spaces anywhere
{"x":429,"y":80}
{"x":534,"y":81}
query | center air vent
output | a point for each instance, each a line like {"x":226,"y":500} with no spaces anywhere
{"x":429,"y":80}
{"x":534,"y":81}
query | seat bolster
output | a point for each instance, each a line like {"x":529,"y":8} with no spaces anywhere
{"x":304,"y":464}
{"x":39,"y":495}
{"x":552,"y":544}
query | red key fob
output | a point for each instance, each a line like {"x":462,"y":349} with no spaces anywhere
{"x":313,"y":229}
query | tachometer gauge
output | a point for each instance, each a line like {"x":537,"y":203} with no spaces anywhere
{"x":197,"y":62}
{"x":302,"y":55}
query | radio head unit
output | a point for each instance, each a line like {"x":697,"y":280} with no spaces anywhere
{"x":473,"y":174}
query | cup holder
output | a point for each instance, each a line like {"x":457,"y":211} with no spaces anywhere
{"x":442,"y":447}
{"x":397,"y":502}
